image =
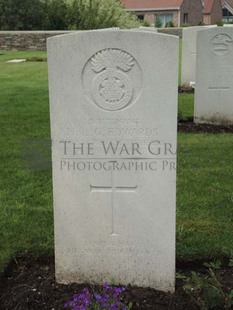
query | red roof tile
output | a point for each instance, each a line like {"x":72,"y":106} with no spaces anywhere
{"x":151,"y":4}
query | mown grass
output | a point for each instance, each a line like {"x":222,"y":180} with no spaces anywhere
{"x":26,"y":221}
{"x":204,"y":181}
{"x":186,"y":106}
{"x":204,"y":196}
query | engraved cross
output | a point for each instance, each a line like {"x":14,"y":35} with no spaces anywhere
{"x":113,"y":189}
{"x":219,"y":89}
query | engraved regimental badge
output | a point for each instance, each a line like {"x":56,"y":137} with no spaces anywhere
{"x":114,"y":77}
{"x":221,"y":44}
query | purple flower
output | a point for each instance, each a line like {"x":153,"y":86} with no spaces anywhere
{"x":108,"y":298}
{"x":117,"y":292}
{"x":107,"y":286}
{"x":115,"y":305}
{"x":97,"y":296}
{"x":79,"y":308}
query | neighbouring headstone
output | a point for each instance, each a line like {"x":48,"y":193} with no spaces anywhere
{"x":145,"y":29}
{"x":148,"y":28}
{"x":111,"y":28}
{"x":113,"y":97}
{"x":189,"y":46}
{"x":214,"y":77}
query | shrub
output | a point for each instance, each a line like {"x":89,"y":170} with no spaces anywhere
{"x":169,"y":24}
{"x":145,"y":23}
{"x":96,"y":14}
{"x":64,"y":14}
{"x":158,"y":22}
{"x":54,"y":15}
{"x":21,"y":14}
{"x":185,"y":25}
{"x":219,"y":23}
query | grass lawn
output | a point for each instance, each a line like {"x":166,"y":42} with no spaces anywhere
{"x":204,"y":196}
{"x":204,"y":181}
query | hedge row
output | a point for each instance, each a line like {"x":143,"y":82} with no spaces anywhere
{"x":64,"y":15}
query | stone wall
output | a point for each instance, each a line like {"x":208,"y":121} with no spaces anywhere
{"x":172,"y":31}
{"x":26,"y":40}
{"x":36,"y":40}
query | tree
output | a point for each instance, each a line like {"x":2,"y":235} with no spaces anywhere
{"x":64,"y":14}
{"x":95,"y":14}
{"x":54,"y":15}
{"x":20,"y":14}
{"x":158,"y":22}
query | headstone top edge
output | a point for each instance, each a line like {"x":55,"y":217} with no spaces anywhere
{"x":186,"y":30}
{"x":108,"y":31}
{"x":215,"y":29}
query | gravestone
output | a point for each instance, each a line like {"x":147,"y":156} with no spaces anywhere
{"x":214,"y":77}
{"x":189,"y":46}
{"x":141,"y":28}
{"x":145,"y":29}
{"x":113,"y":97}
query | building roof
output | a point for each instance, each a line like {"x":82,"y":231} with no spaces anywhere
{"x":208,"y":5}
{"x":138,"y":5}
{"x":228,"y":4}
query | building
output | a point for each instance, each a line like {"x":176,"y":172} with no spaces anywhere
{"x":176,"y":11}
{"x":212,"y":12}
{"x":227,"y":7}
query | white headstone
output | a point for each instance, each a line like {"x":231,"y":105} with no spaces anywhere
{"x":189,"y":46}
{"x":214,"y":77}
{"x":147,"y":29}
{"x":113,"y":99}
{"x":112,"y":28}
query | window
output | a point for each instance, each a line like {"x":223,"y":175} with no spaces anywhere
{"x":141,"y":17}
{"x":163,"y":18}
{"x":185,"y":18}
{"x":227,"y":16}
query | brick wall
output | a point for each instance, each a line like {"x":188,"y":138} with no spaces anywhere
{"x":36,"y":40}
{"x":149,"y":17}
{"x":206,"y":19}
{"x":176,"y":19}
{"x":194,"y":9}
{"x":216,"y":14}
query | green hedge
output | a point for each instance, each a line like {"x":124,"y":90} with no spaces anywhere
{"x":64,"y":15}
